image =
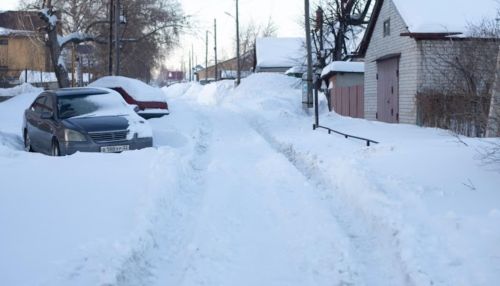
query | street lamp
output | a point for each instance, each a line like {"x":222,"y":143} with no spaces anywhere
{"x":238,"y":71}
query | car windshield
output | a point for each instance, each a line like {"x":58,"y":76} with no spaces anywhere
{"x":90,"y":105}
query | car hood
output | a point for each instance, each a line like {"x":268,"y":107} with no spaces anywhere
{"x":97,"y":124}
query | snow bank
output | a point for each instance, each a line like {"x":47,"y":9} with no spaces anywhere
{"x":136,"y":88}
{"x":23,"y":88}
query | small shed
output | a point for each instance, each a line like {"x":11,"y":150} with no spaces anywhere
{"x":345,"y":92}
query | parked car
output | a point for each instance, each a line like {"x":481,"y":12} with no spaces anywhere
{"x":150,"y":101}
{"x":64,"y":121}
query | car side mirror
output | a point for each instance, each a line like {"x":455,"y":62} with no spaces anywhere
{"x":47,"y":115}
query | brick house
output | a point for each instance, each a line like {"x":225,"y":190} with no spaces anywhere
{"x":401,"y":47}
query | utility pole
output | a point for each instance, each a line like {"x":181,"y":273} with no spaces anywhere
{"x":192,"y":62}
{"x":190,"y":68}
{"x":206,"y":57}
{"x":215,"y":49}
{"x":110,"y":59}
{"x":238,"y":73}
{"x":309,"y":55}
{"x":117,"y":37}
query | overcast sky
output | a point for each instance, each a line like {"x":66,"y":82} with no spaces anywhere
{"x":286,"y":14}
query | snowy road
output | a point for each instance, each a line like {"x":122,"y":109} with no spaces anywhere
{"x":258,"y":218}
{"x":258,"y":222}
{"x":238,"y":190}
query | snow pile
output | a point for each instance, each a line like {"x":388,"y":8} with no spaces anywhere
{"x":444,"y":16}
{"x":20,"y":89}
{"x":176,"y":89}
{"x":12,"y":110}
{"x":137,"y":89}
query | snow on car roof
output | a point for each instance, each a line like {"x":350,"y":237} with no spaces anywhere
{"x":137,"y":89}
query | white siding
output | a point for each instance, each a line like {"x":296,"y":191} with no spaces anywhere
{"x":380,"y":46}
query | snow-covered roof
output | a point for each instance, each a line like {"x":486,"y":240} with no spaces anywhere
{"x":338,"y":66}
{"x":134,"y":87}
{"x":279,"y":52}
{"x":444,"y":16}
{"x":296,"y":69}
{"x":9,"y":32}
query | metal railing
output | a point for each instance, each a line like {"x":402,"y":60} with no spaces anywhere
{"x":368,"y":141}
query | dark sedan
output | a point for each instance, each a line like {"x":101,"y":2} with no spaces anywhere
{"x":64,"y":121}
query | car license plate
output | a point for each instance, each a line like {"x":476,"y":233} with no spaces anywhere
{"x":114,"y":149}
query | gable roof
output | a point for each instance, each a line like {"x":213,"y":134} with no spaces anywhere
{"x":444,"y":16}
{"x":279,"y":52}
{"x":434,"y":18}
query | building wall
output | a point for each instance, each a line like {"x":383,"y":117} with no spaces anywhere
{"x":347,"y":79}
{"x":381,"y":46}
{"x":23,"y":53}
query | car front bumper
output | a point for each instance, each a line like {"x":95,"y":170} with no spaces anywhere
{"x":68,"y":148}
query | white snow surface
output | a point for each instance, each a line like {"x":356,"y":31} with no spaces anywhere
{"x":339,"y":66}
{"x":239,"y":190}
{"x":137,"y":89}
{"x":7,"y":32}
{"x":280,"y":52}
{"x":19,"y":89}
{"x":430,"y":16}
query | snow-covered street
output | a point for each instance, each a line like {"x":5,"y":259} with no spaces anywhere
{"x":239,"y":190}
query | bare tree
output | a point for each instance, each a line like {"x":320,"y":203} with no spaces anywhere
{"x":145,"y":36}
{"x":338,"y":26}
{"x":457,"y":80}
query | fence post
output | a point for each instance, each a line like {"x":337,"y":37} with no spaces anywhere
{"x":26,"y":75}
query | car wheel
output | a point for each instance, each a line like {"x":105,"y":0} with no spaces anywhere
{"x":55,"y":151}
{"x":27,"y":142}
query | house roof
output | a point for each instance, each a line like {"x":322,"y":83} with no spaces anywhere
{"x":21,"y":20}
{"x":279,"y":52}
{"x":344,"y":67}
{"x":444,"y":16}
{"x":431,"y":19}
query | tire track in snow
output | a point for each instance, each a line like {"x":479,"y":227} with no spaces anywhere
{"x":258,"y":226}
{"x":375,"y":243}
{"x":175,"y":218}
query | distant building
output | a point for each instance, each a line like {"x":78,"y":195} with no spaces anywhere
{"x":168,"y":77}
{"x":279,"y":54}
{"x":228,"y":69}
{"x":22,"y":45}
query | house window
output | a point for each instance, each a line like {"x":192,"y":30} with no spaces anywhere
{"x":4,"y":41}
{"x":387,"y":27}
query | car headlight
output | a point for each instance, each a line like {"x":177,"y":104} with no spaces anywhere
{"x":72,"y":135}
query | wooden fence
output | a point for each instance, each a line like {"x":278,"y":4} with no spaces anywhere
{"x":348,"y":101}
